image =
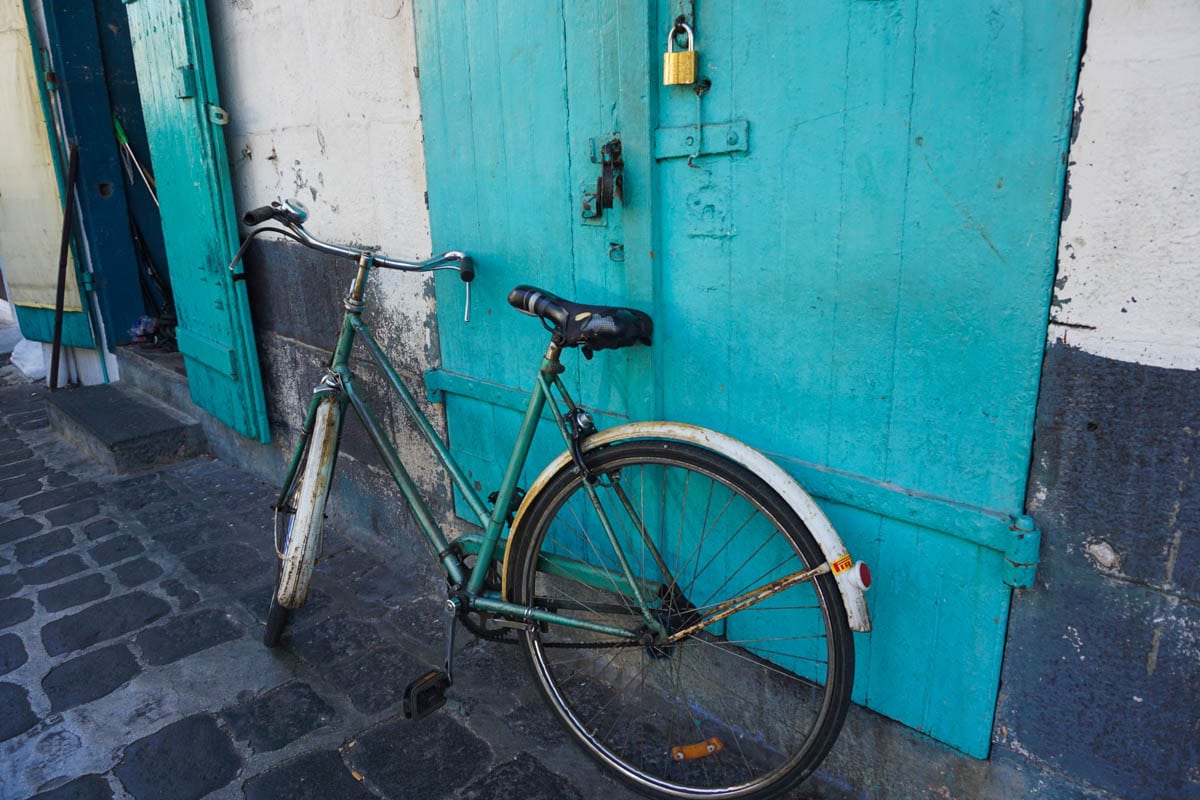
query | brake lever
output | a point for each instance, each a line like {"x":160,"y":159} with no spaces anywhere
{"x":241,"y":276}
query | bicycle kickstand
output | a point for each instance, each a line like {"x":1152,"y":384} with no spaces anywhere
{"x":428,"y":693}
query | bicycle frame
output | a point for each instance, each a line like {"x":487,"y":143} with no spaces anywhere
{"x":339,"y":382}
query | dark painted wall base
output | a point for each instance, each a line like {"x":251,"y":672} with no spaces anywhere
{"x":1102,"y":666}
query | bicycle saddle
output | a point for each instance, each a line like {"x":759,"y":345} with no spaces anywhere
{"x":581,"y":325}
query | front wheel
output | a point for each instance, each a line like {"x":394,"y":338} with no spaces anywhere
{"x":298,"y":518}
{"x":736,"y":676}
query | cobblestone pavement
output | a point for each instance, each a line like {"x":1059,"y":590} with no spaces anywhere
{"x":131,"y":611}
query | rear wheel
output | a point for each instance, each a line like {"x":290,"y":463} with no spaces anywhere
{"x":751,"y":694}
{"x":298,"y":519}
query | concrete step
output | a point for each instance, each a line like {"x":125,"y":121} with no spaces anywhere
{"x":124,"y":428}
{"x":158,"y":374}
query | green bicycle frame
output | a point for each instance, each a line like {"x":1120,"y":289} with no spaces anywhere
{"x":339,"y":381}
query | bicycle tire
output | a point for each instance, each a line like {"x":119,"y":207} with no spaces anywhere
{"x":302,"y":512}
{"x":770,"y":684}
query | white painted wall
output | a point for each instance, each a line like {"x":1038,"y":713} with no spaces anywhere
{"x":1129,"y":255}
{"x":324,"y":107}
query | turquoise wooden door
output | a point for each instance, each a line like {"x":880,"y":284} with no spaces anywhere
{"x":175,"y":73}
{"x":847,"y":243}
{"x":515,"y":139}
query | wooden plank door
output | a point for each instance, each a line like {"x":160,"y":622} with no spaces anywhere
{"x":517,"y":108}
{"x":862,"y":292}
{"x":173,"y":57}
{"x":847,"y":242}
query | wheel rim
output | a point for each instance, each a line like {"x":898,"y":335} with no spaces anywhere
{"x":753,"y":689}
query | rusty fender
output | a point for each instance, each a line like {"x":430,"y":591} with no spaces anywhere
{"x":805,"y":507}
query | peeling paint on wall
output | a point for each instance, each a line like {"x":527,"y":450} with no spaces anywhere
{"x":305,"y":123}
{"x":1128,"y":263}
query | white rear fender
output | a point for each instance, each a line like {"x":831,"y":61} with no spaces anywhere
{"x":846,"y":575}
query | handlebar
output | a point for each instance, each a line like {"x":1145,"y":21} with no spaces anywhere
{"x":291,"y":214}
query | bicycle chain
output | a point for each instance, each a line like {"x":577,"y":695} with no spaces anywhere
{"x":501,"y":635}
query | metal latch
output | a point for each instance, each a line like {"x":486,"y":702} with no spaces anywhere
{"x":609,"y":185}
{"x":217,"y":115}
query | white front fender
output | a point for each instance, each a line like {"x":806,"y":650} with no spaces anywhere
{"x":818,"y":524}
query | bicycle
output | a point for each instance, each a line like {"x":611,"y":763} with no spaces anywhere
{"x":684,"y":606}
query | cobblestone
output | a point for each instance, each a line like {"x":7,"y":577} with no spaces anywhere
{"x":19,"y":488}
{"x":376,"y":681}
{"x":182,"y":636}
{"x":16,"y":715}
{"x":131,"y":609}
{"x":18,"y":528}
{"x":55,"y":498}
{"x":89,"y":677}
{"x":524,"y":777}
{"x":75,"y":512}
{"x":74,"y":593}
{"x":279,"y":717}
{"x":100,"y":528}
{"x":136,"y":572}
{"x":185,"y":761}
{"x":30,"y":551}
{"x":118,"y":548}
{"x":89,"y":787}
{"x":102,"y":621}
{"x":400,"y":760}
{"x":53,"y":570}
{"x":334,"y":639}
{"x":12,"y":653}
{"x":313,"y":776}
{"x":9,"y":585}
{"x":14,"y":610}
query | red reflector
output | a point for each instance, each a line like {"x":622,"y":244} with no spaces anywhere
{"x":864,"y":574}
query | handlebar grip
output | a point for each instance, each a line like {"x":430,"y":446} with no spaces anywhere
{"x":258,"y":215}
{"x":466,"y":269}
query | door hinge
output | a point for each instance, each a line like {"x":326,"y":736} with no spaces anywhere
{"x":187,"y":78}
{"x":1021,"y":556}
{"x":217,"y":115}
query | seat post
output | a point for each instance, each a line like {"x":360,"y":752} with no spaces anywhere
{"x":553,"y":352}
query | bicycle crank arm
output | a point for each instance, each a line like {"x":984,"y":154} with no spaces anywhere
{"x":744,"y":601}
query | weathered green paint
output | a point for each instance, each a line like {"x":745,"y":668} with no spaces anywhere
{"x":858,"y":287}
{"x":178,"y":87}
{"x":37,"y":325}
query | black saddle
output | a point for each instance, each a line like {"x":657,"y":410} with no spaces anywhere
{"x":582,"y":325}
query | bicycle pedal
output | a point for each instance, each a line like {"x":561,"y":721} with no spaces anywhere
{"x":426,"y":694}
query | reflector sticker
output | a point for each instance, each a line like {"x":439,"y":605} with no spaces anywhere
{"x":688,"y":752}
{"x":842,"y":564}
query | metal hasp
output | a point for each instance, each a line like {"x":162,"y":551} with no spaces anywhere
{"x":713,"y":139}
{"x":610,"y":183}
{"x":1021,"y":557}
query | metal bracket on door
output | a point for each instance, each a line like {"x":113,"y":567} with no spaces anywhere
{"x":716,"y":139}
{"x":187,"y":81}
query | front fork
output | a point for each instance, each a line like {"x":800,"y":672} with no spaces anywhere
{"x":284,"y":504}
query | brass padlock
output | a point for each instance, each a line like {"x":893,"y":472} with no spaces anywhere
{"x":680,"y":68}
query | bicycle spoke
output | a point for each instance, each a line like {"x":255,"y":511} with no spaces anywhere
{"x":748,"y":659}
